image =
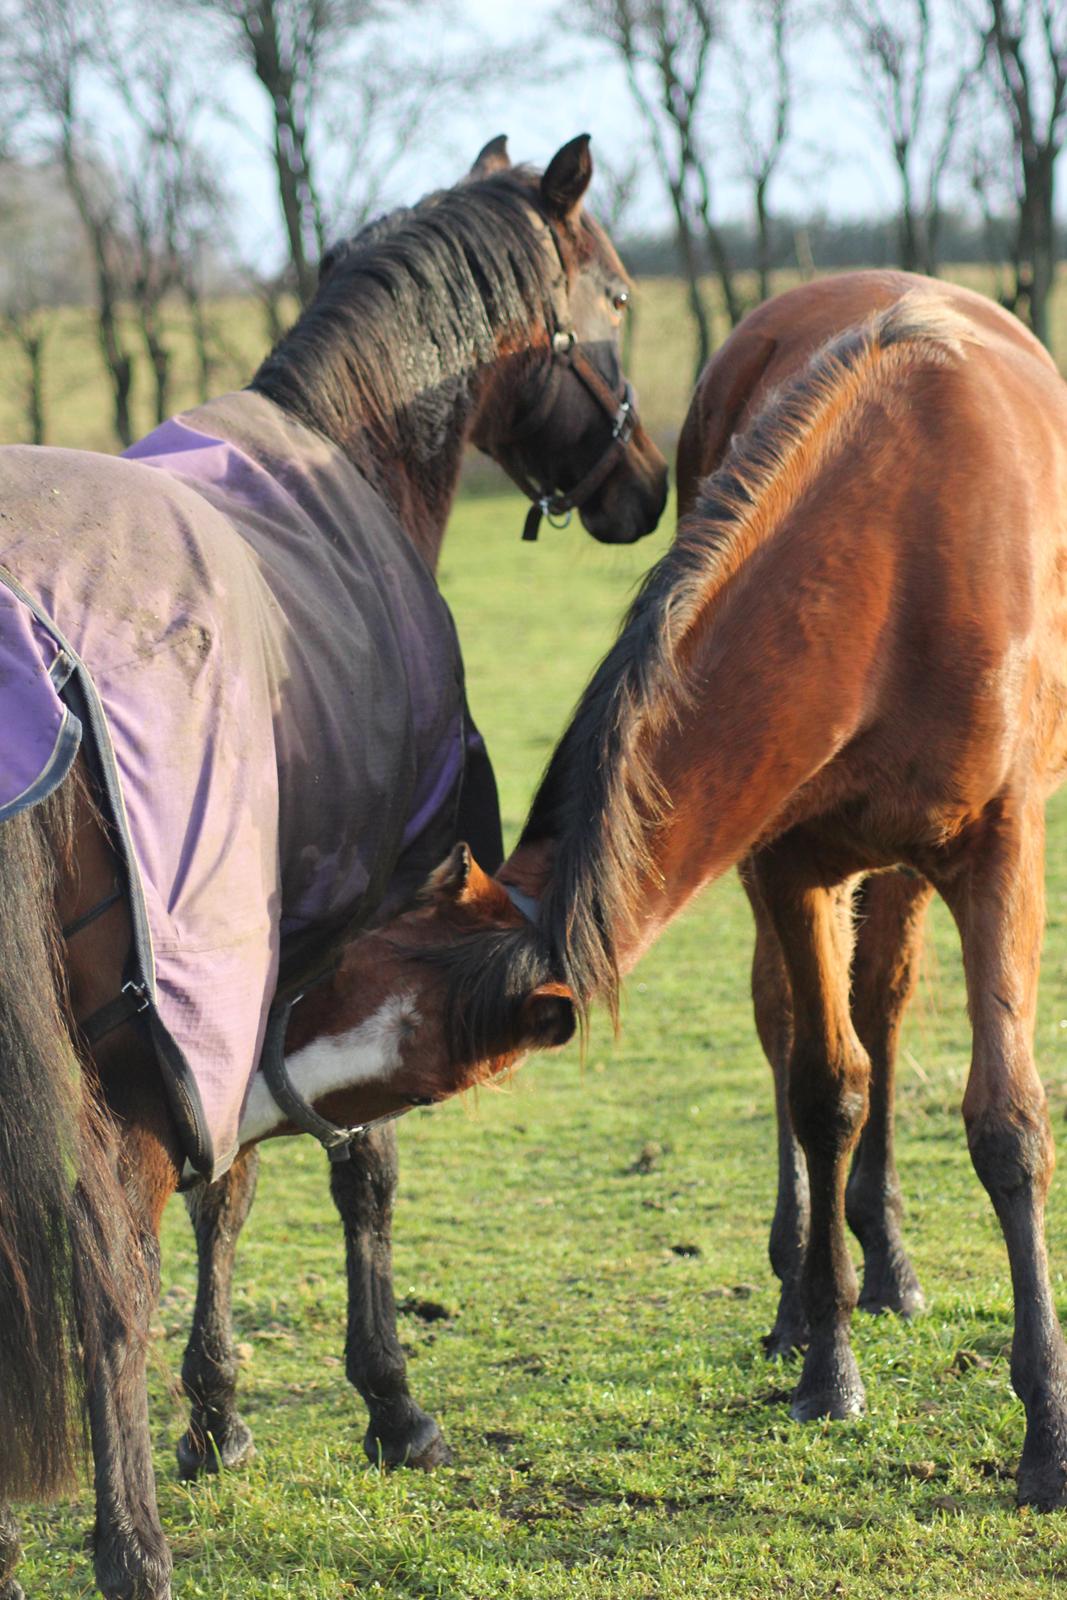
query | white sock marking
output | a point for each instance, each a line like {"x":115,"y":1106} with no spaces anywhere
{"x":369,"y":1054}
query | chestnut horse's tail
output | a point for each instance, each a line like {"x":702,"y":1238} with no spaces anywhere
{"x":63,"y":1221}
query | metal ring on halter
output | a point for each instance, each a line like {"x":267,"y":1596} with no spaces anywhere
{"x":554,"y":518}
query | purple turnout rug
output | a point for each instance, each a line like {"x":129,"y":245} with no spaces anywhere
{"x":270,"y":688}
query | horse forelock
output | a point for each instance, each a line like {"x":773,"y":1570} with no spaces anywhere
{"x":601,"y":800}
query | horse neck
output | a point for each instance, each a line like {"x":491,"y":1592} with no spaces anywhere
{"x":686,"y":790}
{"x":411,"y":447}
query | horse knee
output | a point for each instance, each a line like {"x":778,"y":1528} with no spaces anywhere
{"x":1012,"y":1152}
{"x":828,"y":1103}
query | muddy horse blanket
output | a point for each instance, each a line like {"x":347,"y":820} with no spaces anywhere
{"x":269,"y":687}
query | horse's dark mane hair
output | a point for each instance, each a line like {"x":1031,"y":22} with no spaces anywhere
{"x":600,"y":800}
{"x":408,"y":308}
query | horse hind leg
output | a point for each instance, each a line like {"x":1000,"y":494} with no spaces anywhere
{"x":828,"y":1077}
{"x":400,"y":1433}
{"x":131,"y":1557}
{"x":10,"y":1549}
{"x":773,"y":1007}
{"x":998,"y":903}
{"x":217,"y":1435}
{"x":890,"y":909}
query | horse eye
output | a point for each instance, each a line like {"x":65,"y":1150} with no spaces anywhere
{"x":621,"y":300}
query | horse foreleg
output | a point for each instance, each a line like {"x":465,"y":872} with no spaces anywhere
{"x":773,"y":1008}
{"x":998,"y":903}
{"x":890,"y":909}
{"x":828,"y":1073}
{"x":217,"y":1436}
{"x":363,"y":1188}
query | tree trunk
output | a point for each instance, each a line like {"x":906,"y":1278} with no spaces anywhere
{"x":763,"y":241}
{"x":1039,"y":234}
{"x":687,"y":257}
{"x":34,"y":347}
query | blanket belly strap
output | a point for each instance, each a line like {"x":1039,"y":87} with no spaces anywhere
{"x":335,"y":1140}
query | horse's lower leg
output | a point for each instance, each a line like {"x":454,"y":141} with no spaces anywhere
{"x":828,"y":1073}
{"x":885,"y":967}
{"x":10,"y":1547}
{"x":998,"y":904}
{"x":773,"y":1008}
{"x":216,"y":1436}
{"x":400,"y":1432}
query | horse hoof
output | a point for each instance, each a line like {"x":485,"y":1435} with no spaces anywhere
{"x":897,"y":1290}
{"x":830,"y":1386}
{"x":1042,"y":1477}
{"x":423,"y":1447}
{"x":784,"y":1344}
{"x":198,"y":1455}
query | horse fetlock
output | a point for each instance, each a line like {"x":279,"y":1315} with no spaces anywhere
{"x":1042,"y":1477}
{"x":132,"y":1567}
{"x":830,"y":1384}
{"x":412,"y":1441}
{"x":890,"y":1282}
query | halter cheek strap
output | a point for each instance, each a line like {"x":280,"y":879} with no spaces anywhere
{"x":621,"y":408}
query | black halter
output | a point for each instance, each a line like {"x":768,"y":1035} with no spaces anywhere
{"x":620,"y":408}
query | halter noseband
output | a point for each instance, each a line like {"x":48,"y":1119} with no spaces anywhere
{"x":620,"y":408}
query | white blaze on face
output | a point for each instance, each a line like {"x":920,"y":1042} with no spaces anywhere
{"x":369,"y":1054}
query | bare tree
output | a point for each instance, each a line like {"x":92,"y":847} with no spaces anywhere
{"x":46,"y":60}
{"x":666,"y":49}
{"x":1025,"y":47}
{"x":173,"y":200}
{"x":38,"y":271}
{"x":917,"y":113}
{"x":764,"y":76}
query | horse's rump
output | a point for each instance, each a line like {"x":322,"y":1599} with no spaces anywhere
{"x":271,"y":691}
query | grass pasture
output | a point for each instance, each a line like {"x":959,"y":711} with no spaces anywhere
{"x":581,"y":1259}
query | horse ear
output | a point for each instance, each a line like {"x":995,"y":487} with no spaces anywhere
{"x":548,"y":1017}
{"x":460,"y":881}
{"x":492,"y":157}
{"x":566,"y":178}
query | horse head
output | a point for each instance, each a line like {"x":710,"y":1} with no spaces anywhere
{"x":561,"y":417}
{"x":382,"y":1032}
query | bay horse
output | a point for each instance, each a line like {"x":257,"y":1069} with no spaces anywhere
{"x":768,"y":348}
{"x":852,"y":657}
{"x":489,"y":314}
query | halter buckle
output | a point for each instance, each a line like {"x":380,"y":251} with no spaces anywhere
{"x":625,"y":422}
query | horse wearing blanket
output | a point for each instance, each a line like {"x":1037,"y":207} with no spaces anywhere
{"x":235,"y":729}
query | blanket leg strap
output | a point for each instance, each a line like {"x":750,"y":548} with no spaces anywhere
{"x":335,"y":1140}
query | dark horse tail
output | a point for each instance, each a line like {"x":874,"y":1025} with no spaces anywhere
{"x":62,"y":1217}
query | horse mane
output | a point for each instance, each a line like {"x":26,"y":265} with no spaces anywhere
{"x":409,"y":306}
{"x":600,"y":800}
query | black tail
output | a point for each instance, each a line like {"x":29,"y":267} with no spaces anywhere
{"x":61,"y":1209}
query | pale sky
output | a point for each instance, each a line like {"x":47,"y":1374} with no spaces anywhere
{"x":838,"y":161}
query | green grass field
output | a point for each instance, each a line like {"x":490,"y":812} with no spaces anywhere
{"x":617,"y":1432}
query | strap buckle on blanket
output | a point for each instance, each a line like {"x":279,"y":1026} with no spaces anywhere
{"x":335,"y":1140}
{"x":106,"y":1018}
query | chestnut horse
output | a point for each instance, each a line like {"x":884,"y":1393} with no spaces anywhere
{"x":488,"y":314}
{"x":768,"y":348}
{"x":853,"y":657}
